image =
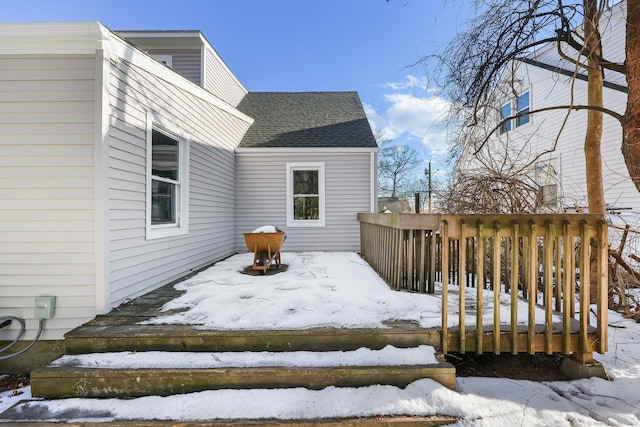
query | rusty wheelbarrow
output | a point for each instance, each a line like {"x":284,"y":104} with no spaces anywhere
{"x":265,"y":246}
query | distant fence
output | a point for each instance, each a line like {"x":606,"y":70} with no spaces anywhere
{"x":542,"y":270}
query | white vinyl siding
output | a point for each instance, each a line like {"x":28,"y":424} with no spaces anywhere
{"x":46,"y":174}
{"x":619,"y":190}
{"x":261,"y":199}
{"x":186,"y":62}
{"x":220,"y":81}
{"x":138,"y":265}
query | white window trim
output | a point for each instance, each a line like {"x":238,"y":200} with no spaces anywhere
{"x":321,"y":193}
{"x":181,"y":226}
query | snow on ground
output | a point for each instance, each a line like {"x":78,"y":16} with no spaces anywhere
{"x":318,"y":289}
{"x":329,"y":289}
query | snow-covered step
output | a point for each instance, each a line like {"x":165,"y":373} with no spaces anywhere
{"x":129,"y":374}
{"x":106,"y":335}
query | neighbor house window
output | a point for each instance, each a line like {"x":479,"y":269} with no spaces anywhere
{"x":505,"y":111}
{"x":166,"y":184}
{"x":521,"y":105}
{"x":305,"y":194}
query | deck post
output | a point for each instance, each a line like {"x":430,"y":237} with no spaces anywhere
{"x":422,"y":286}
{"x":566,"y":285}
{"x":480,"y":287}
{"x":515,"y":249}
{"x":496,"y":287}
{"x":585,"y":282}
{"x":532,"y":285}
{"x":445,"y":287}
{"x":462,"y":272}
{"x":603,"y":287}
{"x":548,"y":288}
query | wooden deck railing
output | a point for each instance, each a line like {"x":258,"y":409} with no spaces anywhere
{"x":534,"y":267}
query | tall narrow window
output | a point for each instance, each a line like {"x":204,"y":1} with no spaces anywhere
{"x":505,"y":111}
{"x":305,"y":194}
{"x":165,"y":178}
{"x":167,"y":189}
{"x":522,"y":104}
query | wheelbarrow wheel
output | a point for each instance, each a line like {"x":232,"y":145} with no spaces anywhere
{"x":262,"y":261}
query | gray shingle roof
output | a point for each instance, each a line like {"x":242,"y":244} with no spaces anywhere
{"x":306,"y":119}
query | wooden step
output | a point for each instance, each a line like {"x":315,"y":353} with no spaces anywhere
{"x":66,"y":382}
{"x":23,"y":416}
{"x":96,"y":337}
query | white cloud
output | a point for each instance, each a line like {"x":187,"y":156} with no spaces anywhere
{"x":412,"y":117}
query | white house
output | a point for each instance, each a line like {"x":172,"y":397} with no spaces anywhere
{"x":132,"y":159}
{"x":553,"y":140}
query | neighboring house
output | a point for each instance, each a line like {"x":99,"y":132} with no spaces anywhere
{"x":131,"y":159}
{"x":543,"y":79}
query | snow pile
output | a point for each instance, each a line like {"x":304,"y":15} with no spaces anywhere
{"x":267,"y":229}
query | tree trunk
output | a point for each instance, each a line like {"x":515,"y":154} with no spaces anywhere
{"x":593,"y":137}
{"x":631,"y":123}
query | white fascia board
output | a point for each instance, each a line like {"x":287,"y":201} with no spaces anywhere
{"x":85,"y":38}
{"x":279,"y":151}
{"x":51,"y":38}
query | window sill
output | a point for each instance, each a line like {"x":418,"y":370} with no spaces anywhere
{"x":160,"y":233}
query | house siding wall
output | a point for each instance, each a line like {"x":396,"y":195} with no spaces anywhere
{"x":46,"y":189}
{"x":138,"y":265}
{"x":186,"y":62}
{"x":219,"y":81}
{"x":261,"y":199}
{"x":546,"y":91}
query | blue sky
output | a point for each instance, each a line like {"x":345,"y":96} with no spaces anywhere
{"x":303,"y":45}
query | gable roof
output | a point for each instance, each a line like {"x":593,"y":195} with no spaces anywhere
{"x":306,"y":120}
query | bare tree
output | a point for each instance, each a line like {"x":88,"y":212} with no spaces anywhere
{"x":396,"y":166}
{"x":485,"y":57}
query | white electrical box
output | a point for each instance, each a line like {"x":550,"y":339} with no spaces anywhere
{"x":45,"y":307}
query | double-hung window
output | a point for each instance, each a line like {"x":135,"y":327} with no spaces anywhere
{"x":166,"y":184}
{"x":505,"y":111}
{"x":519,"y":108}
{"x":305,"y":195}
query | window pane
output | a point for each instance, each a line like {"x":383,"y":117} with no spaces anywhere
{"x":523,"y":101}
{"x":305,"y":182}
{"x":505,"y":112}
{"x":522,"y":120}
{"x":523,"y":107}
{"x":163,"y":202}
{"x":164,"y":156}
{"x":306,"y":208}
